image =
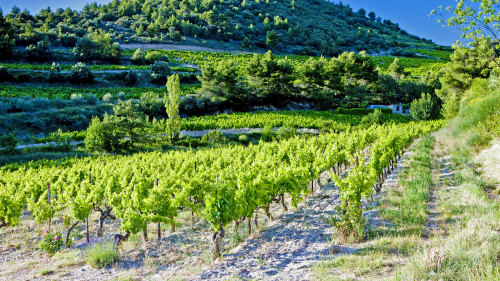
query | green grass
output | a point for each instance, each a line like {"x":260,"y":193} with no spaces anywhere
{"x":408,"y":207}
{"x":472,"y":249}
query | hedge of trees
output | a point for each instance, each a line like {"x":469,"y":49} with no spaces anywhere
{"x":349,"y":80}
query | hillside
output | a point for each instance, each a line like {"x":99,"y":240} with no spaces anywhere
{"x":306,"y":27}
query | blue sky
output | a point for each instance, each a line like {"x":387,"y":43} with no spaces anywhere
{"x":411,"y":15}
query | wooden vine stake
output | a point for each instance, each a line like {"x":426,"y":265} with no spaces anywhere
{"x":159,"y":227}
{"x":48,"y":200}
{"x":87,"y":225}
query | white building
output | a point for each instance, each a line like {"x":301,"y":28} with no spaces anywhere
{"x":396,"y":108}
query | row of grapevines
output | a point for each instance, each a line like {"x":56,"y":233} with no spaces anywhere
{"x":96,"y":67}
{"x":221,"y":185}
{"x":297,"y":119}
{"x":66,"y":92}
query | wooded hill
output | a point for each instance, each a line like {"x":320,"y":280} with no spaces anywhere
{"x":307,"y":27}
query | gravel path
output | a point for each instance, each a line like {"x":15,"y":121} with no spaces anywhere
{"x":185,"y":133}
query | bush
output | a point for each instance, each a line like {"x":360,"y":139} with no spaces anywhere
{"x":81,"y":73}
{"x":372,"y":118}
{"x":425,"y":108}
{"x":5,"y":74}
{"x":77,"y":99}
{"x":285,"y":133}
{"x":159,"y":73}
{"x":101,"y":252}
{"x":91,"y":99}
{"x":215,"y":137}
{"x":267,"y":134}
{"x":22,"y":104}
{"x":8,"y":143}
{"x":108,"y":98}
{"x":55,"y":73}
{"x":139,"y":57}
{"x":151,"y":105}
{"x":51,"y":242}
{"x":243,"y":139}
{"x":39,"y":52}
{"x":153,"y":56}
{"x":327,"y":126}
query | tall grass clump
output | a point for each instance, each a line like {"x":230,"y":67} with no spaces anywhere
{"x":101,"y":252}
{"x":416,"y":180}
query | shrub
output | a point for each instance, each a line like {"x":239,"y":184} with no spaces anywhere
{"x":120,"y":96}
{"x":8,"y":143}
{"x":159,"y":73}
{"x":286,"y":133}
{"x":267,"y":134}
{"x":327,"y":126}
{"x":22,"y":104}
{"x":81,"y":73}
{"x":39,"y":52}
{"x":152,"y":105}
{"x":100,"y":252}
{"x":4,"y":107}
{"x":139,"y":57}
{"x":91,"y":99}
{"x":153,"y":56}
{"x":373,"y":118}
{"x":5,"y":74}
{"x":215,"y":137}
{"x":51,"y":242}
{"x":108,"y":97}
{"x":77,"y":99}
{"x":243,"y":139}
{"x":55,"y":73}
{"x":425,"y":108}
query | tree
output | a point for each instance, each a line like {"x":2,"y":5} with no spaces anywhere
{"x":466,"y":65}
{"x":159,"y":73}
{"x":172,"y":102}
{"x":396,"y":70}
{"x":221,"y":80}
{"x":39,"y":52}
{"x":478,"y":20}
{"x":312,"y":76}
{"x":130,"y":121}
{"x":7,"y":41}
{"x":102,"y":136}
{"x":425,"y":108}
{"x":86,"y":50}
{"x":272,"y":39}
{"x":270,"y":78}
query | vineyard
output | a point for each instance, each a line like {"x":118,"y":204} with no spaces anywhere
{"x":220,"y":185}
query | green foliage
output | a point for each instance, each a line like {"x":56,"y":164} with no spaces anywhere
{"x":81,"y":73}
{"x":39,"y":52}
{"x":221,"y":80}
{"x":425,"y":108}
{"x":51,"y":242}
{"x":396,"y":70}
{"x":285,"y":133}
{"x":159,"y":72}
{"x":374,"y":118}
{"x":267,"y":134}
{"x":243,"y":139}
{"x":99,"y":46}
{"x":172,"y":102}
{"x":358,"y":184}
{"x":214,"y":137}
{"x":466,"y":65}
{"x":101,"y":252}
{"x":152,"y":105}
{"x":8,"y":143}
